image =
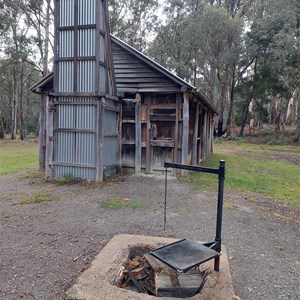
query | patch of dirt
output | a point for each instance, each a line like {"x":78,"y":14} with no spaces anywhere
{"x":45,"y":246}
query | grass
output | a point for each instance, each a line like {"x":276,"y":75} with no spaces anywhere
{"x":39,"y":197}
{"x":265,"y":135}
{"x":68,"y":180}
{"x":256,"y":168}
{"x":17,"y":156}
{"x":114,"y":203}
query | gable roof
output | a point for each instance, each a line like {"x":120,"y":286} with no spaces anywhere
{"x":150,"y":62}
{"x":155,"y":75}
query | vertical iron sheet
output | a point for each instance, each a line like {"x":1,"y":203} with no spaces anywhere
{"x":102,"y":83}
{"x":101,"y":17}
{"x":110,"y":151}
{"x":86,"y":12}
{"x":110,"y":122}
{"x":66,"y":41}
{"x":66,"y":75}
{"x":110,"y":136}
{"x":77,"y":172}
{"x":66,"y":14}
{"x":86,"y":76}
{"x":102,"y":48}
{"x":86,"y":42}
{"x":75,"y":138}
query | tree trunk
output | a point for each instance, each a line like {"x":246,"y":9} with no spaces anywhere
{"x":22,"y":129}
{"x":1,"y":128}
{"x":212,"y":79}
{"x":297,"y":134}
{"x":14,"y":107}
{"x":220,"y":130}
{"x":244,"y":117}
{"x":277,"y":115}
{"x":230,"y":108}
{"x":42,"y":119}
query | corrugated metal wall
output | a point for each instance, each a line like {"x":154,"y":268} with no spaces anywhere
{"x":84,"y":121}
{"x":86,"y":12}
{"x":75,"y":138}
{"x":110,"y":134}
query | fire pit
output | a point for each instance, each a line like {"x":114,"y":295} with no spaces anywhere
{"x":146,"y":274}
{"x":99,"y":281}
{"x":160,"y":267}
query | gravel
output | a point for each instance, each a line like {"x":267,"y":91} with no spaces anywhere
{"x":45,"y":246}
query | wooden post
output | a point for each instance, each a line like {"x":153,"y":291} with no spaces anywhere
{"x":138,"y":135}
{"x":100,"y":139}
{"x":212,"y":133}
{"x":148,"y":149}
{"x":119,"y":152}
{"x":195,"y":136}
{"x":200,"y":137}
{"x":178,"y":101}
{"x":49,"y":137}
{"x":185,"y":128}
{"x":204,"y":137}
{"x":42,"y":133}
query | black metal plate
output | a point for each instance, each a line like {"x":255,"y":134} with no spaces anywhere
{"x":184,"y":254}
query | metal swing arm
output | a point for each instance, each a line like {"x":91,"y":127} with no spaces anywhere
{"x":216,"y":245}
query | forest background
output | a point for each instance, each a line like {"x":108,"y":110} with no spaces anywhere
{"x":243,"y":54}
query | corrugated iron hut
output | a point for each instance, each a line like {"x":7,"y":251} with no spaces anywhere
{"x":89,"y":133}
{"x":83,"y":110}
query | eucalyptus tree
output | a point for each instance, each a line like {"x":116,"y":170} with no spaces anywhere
{"x":40,"y":15}
{"x":15,"y":49}
{"x":172,"y":47}
{"x":24,"y":54}
{"x":274,"y":36}
{"x":133,"y":20}
{"x":202,"y":42}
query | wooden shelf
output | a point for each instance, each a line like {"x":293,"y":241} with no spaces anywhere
{"x":128,"y":142}
{"x":163,"y":143}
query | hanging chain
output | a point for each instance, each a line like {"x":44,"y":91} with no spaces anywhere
{"x":165,"y":206}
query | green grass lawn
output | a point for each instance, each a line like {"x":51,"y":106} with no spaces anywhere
{"x":16,"y":156}
{"x":265,"y":169}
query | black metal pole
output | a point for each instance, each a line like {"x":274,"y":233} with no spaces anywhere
{"x":165,"y":203}
{"x":218,"y":238}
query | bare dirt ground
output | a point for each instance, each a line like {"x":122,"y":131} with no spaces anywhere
{"x":44,"y":247}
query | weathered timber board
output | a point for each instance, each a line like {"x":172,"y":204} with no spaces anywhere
{"x":189,"y":285}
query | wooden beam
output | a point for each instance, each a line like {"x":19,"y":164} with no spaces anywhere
{"x":138,"y":135}
{"x":178,"y":102}
{"x":185,"y":128}
{"x":195,"y":135}
{"x":49,"y":138}
{"x":200,"y":134}
{"x":56,"y":163}
{"x":100,"y":140}
{"x":97,"y":49}
{"x":204,"y":137}
{"x":148,"y":143}
{"x":163,"y":117}
{"x":119,"y":139}
{"x":162,"y":143}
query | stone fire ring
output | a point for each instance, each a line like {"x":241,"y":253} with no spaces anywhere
{"x":97,"y":282}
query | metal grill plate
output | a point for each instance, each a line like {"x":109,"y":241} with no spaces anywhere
{"x":184,"y":254}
